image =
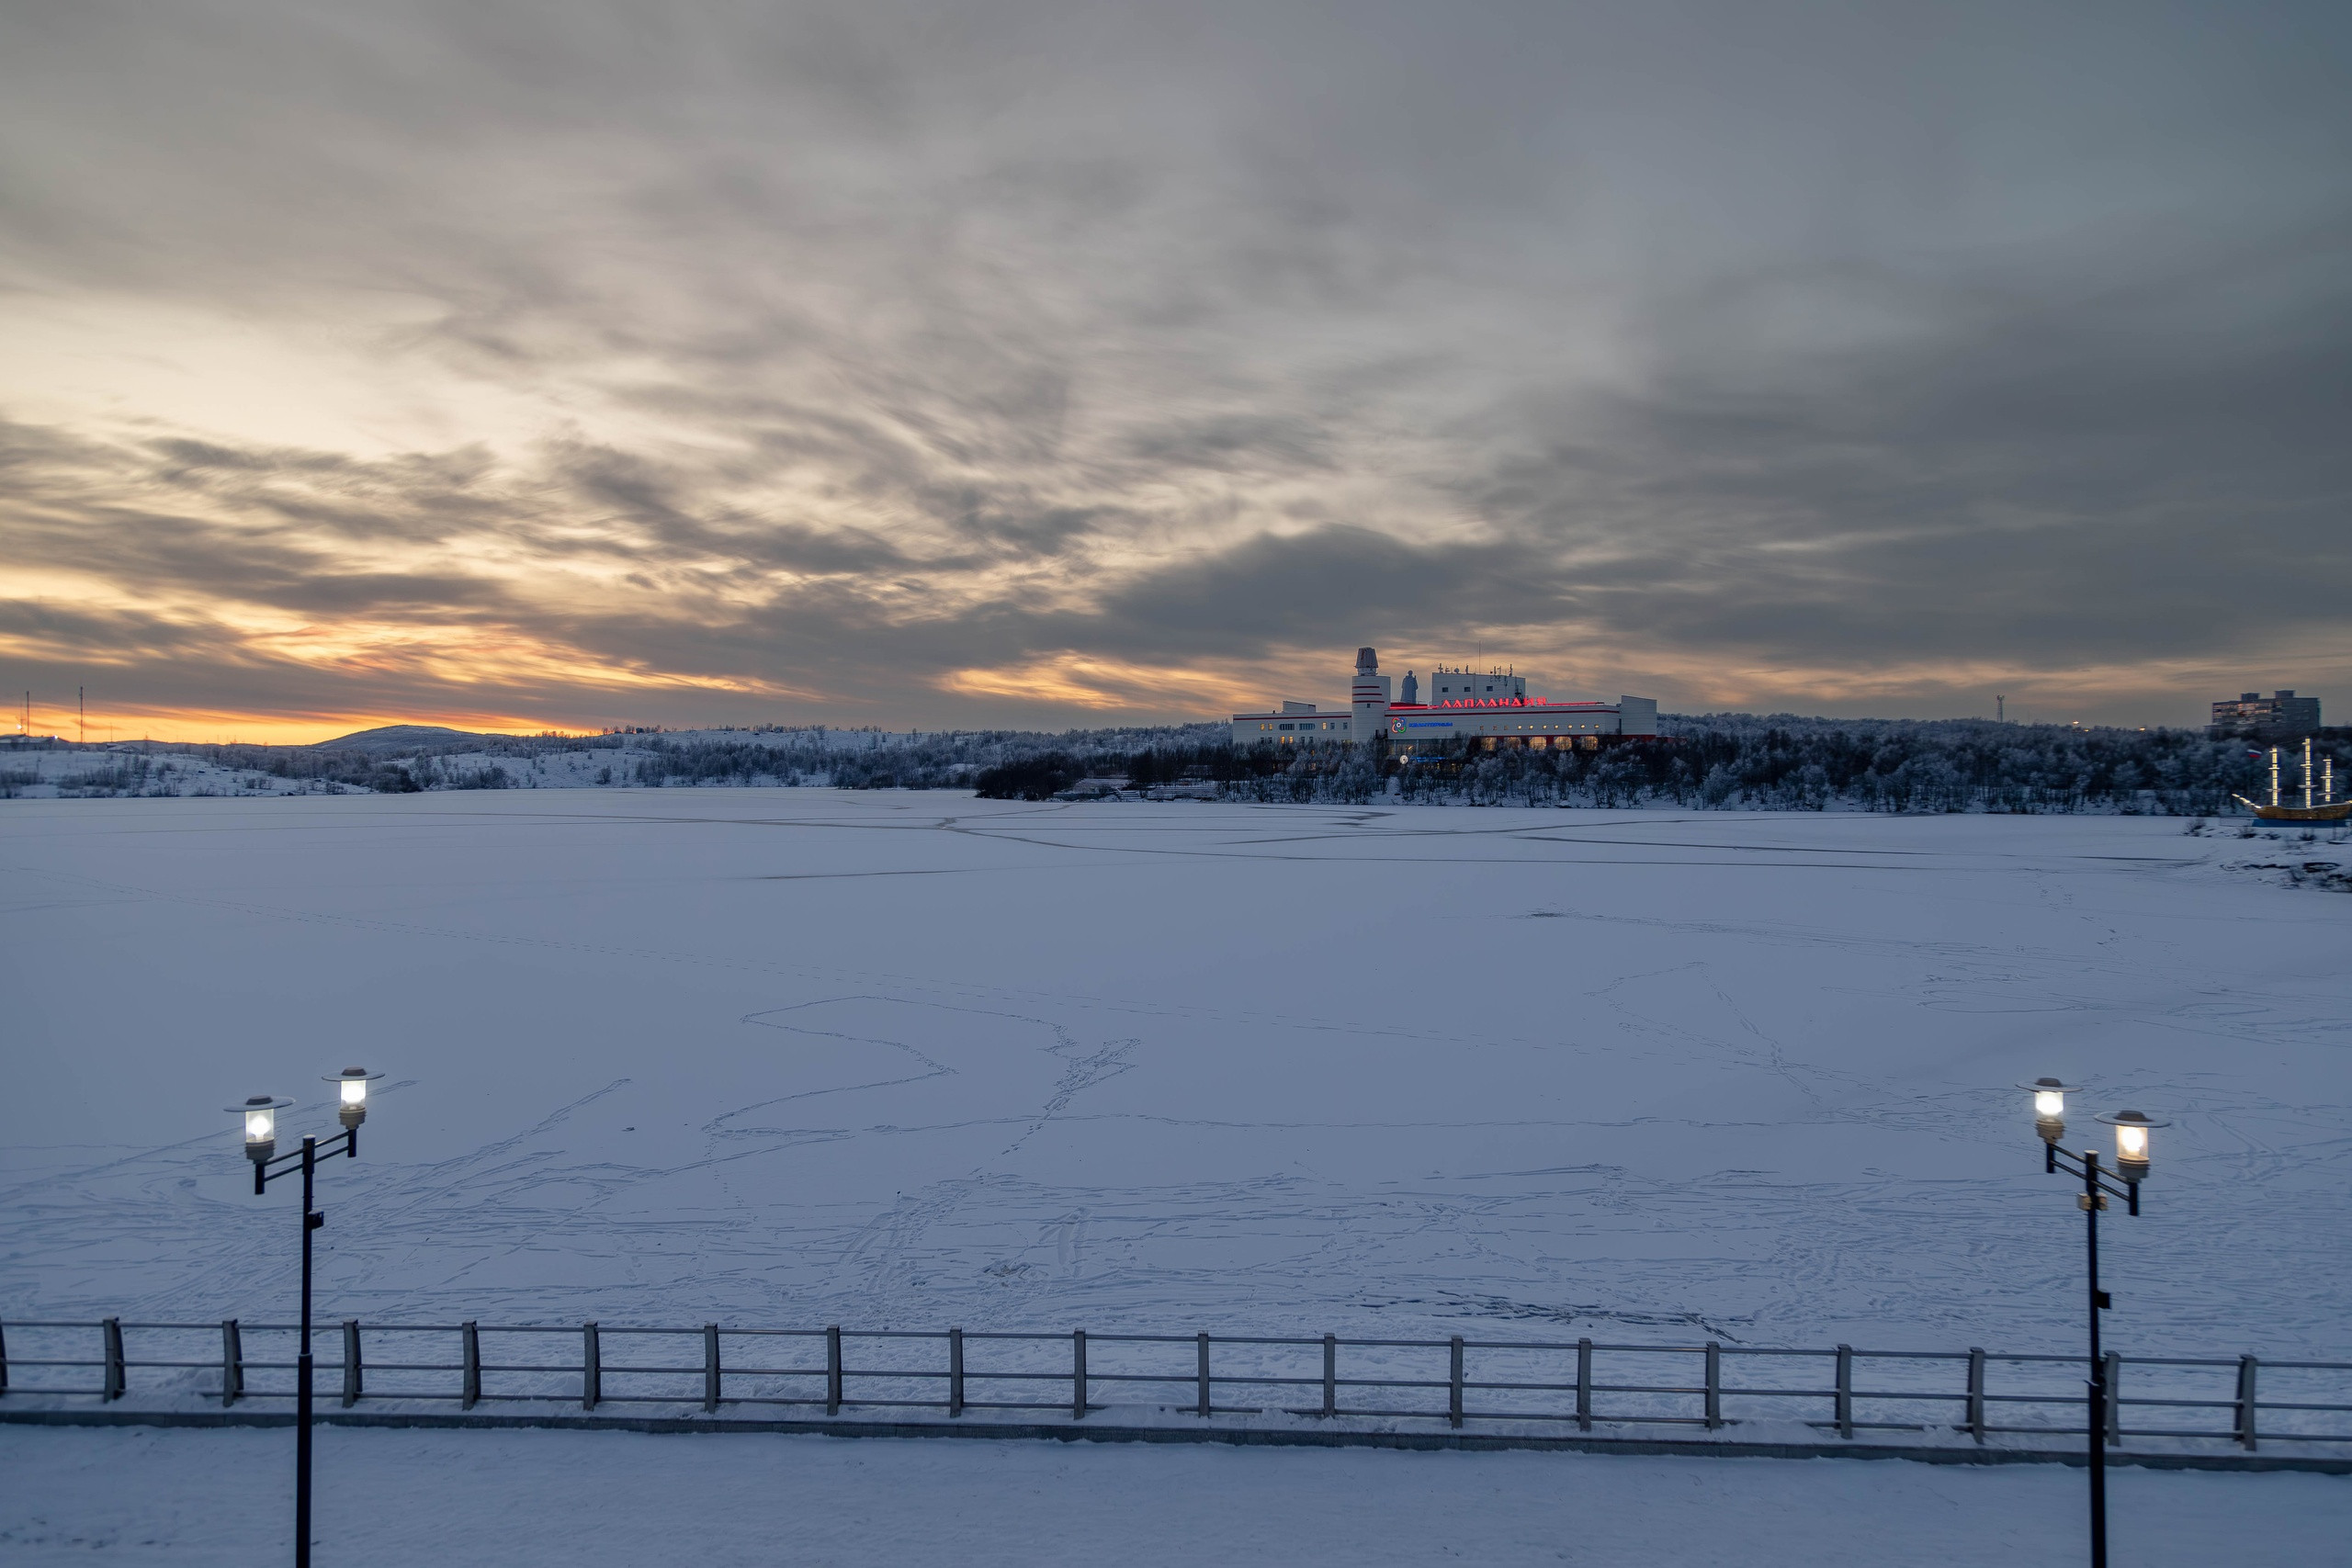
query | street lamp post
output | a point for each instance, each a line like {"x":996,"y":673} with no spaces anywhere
{"x":259,"y":1116}
{"x":2130,"y":1164}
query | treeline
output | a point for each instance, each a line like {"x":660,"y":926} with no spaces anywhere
{"x":950,"y":759}
{"x":1724,"y":762}
{"x":1198,"y":754}
{"x":1732,"y":762}
{"x":841,"y":759}
{"x":1784,"y":763}
{"x":390,"y":776}
{"x":109,"y":771}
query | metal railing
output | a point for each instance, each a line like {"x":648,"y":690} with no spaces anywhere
{"x":2235,"y":1400}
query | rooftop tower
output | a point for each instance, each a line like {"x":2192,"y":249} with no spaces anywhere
{"x":1368,"y":704}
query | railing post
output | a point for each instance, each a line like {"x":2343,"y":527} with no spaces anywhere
{"x":2114,"y":1399}
{"x":1454,"y":1386}
{"x":1078,"y":1374}
{"x":1976,"y":1392}
{"x":4,"y":1359}
{"x":833,"y":1369}
{"x":1584,"y":1385}
{"x":709,"y":1368}
{"x":232,"y":1362}
{"x":1203,"y":1344}
{"x":1330,"y":1374}
{"x":954,"y":1371}
{"x":2247,"y":1366}
{"x":470,"y":1342}
{"x":1714,"y":1385}
{"x":591,"y":1367}
{"x":350,"y":1362}
{"x":1844,"y":1398}
{"x":114,"y":1375}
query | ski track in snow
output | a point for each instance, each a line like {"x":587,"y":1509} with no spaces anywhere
{"x":795,"y":1057}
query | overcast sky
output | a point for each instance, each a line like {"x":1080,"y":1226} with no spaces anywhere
{"x":511,"y":365}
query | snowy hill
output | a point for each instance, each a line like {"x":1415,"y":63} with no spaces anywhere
{"x":398,"y":737}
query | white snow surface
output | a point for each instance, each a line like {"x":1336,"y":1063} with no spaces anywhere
{"x":589,"y":1500}
{"x":792,"y":1057}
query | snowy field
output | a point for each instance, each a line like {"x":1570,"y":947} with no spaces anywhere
{"x":612,"y":1500}
{"x":913,"y":1060}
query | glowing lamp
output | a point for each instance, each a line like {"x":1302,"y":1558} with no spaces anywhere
{"x":2131,"y":1143}
{"x":2049,"y":1106}
{"x":352,"y":1084}
{"x":259,"y":1118}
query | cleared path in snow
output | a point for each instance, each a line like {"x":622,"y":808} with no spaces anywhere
{"x":593,"y":1500}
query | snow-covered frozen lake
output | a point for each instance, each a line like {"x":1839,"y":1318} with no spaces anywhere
{"x":912,"y":1060}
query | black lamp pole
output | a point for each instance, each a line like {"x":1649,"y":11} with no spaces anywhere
{"x":268,"y":1169}
{"x":2131,"y":1166}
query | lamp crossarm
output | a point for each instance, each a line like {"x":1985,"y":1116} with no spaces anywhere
{"x":2075,"y":1165}
{"x":289,"y":1162}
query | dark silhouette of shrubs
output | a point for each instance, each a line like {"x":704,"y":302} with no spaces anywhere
{"x":1036,"y":777}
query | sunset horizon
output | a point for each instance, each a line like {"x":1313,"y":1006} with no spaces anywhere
{"x":565,"y":367}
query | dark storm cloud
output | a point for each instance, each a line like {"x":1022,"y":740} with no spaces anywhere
{"x":841,"y":348}
{"x":2109,"y":467}
{"x":1315,"y":587}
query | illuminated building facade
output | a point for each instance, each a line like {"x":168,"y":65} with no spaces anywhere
{"x":2281,"y":713}
{"x":1490,"y":707}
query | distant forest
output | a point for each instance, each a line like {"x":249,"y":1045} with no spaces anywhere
{"x":1733,"y":762}
{"x":1724,"y":762}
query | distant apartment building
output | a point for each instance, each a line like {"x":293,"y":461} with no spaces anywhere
{"x":2251,"y":712}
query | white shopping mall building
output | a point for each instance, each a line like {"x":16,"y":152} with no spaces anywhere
{"x":1491,"y":707}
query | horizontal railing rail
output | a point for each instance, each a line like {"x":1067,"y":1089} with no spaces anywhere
{"x":2239,"y":1400}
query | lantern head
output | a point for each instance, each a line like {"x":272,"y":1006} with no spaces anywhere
{"x":2131,"y":1130}
{"x":257,"y":1119}
{"x":352,"y":1083}
{"x":2048,"y":1107}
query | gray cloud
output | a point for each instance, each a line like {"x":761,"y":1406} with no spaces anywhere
{"x":746,"y":353}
